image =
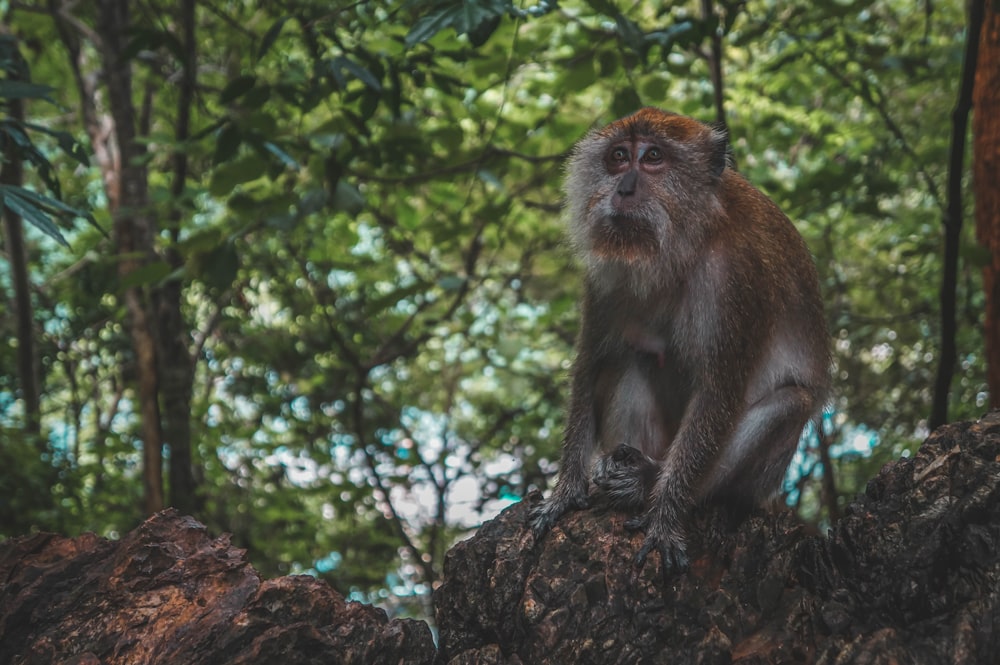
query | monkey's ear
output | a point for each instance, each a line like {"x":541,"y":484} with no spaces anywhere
{"x":721,"y":150}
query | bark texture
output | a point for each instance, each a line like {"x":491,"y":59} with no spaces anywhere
{"x":986,"y":182}
{"x":910,"y":574}
{"x":168,"y":593}
{"x":134,"y":230}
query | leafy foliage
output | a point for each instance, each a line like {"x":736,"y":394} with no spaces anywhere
{"x":15,"y":136}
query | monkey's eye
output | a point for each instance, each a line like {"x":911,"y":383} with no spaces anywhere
{"x":653,"y":156}
{"x":619,"y":155}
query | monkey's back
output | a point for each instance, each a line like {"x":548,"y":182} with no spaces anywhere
{"x":790,"y":297}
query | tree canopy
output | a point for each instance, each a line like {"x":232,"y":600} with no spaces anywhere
{"x":308,"y":256}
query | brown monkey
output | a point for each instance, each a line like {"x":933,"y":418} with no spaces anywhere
{"x":703,"y":350}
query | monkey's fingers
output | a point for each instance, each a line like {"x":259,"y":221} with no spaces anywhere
{"x":637,"y":523}
{"x":542,"y":517}
{"x":673,"y":551}
{"x":673,"y":555}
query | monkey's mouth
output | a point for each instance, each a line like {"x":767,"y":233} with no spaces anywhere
{"x":625,"y":237}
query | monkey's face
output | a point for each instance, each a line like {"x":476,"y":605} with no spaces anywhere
{"x":642,"y":184}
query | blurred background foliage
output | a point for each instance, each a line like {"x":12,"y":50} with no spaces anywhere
{"x":374,"y":306}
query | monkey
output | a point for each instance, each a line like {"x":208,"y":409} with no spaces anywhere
{"x":703,"y":349}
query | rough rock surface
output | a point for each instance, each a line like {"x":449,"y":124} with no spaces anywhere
{"x":168,"y":593}
{"x":911,"y":574}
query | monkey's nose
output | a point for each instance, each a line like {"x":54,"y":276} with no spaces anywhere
{"x":626,"y":185}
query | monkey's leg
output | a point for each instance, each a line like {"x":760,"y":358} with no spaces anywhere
{"x":751,"y":467}
{"x":747,"y":471}
{"x":624,"y":478}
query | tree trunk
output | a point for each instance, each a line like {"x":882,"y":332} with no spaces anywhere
{"x":176,"y":364}
{"x":133,"y":232}
{"x":986,"y":177}
{"x":12,"y":173}
{"x":715,"y":65}
{"x":948,"y":354}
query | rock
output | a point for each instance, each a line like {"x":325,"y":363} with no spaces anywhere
{"x":168,"y":593}
{"x":910,"y":574}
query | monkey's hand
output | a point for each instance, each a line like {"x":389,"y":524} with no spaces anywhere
{"x":664,"y":536}
{"x":625,"y":477}
{"x":563,"y":500}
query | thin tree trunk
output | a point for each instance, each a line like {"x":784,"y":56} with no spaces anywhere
{"x":12,"y":173}
{"x":133,"y":233}
{"x":953,"y":222}
{"x":829,"y":481}
{"x":986,"y":176}
{"x":176,"y":364}
{"x":715,"y":66}
{"x":17,"y":255}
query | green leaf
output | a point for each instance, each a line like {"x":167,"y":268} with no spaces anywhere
{"x":15,"y":132}
{"x":680,"y":34}
{"x":22,"y":90}
{"x":31,"y":213}
{"x":236,"y":88}
{"x":257,"y":96}
{"x":631,"y":34}
{"x":369,"y":104}
{"x":360,"y":73}
{"x":476,"y":18}
{"x":449,"y":137}
{"x":275,"y":150}
{"x":625,"y":102}
{"x":202,"y":241}
{"x":151,"y":273}
{"x":145,"y":39}
{"x":261,"y":123}
{"x":580,"y":76}
{"x":219,"y":266}
{"x":242,"y":204}
{"x":479,"y":34}
{"x":428,"y":26}
{"x":37,"y":210}
{"x":71,"y":146}
{"x":347,"y":198}
{"x":229,"y":175}
{"x":974,"y":254}
{"x":142,"y":38}
{"x":227,"y":144}
{"x":271,"y":36}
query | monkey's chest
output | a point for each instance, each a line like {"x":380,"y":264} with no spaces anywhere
{"x":644,"y":341}
{"x":640,"y":395}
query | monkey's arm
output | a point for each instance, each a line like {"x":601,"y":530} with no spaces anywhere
{"x":580,"y":440}
{"x":579,"y":445}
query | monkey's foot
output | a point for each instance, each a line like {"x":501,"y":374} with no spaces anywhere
{"x":624,"y":478}
{"x":670,"y":545}
{"x":544,"y":515}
